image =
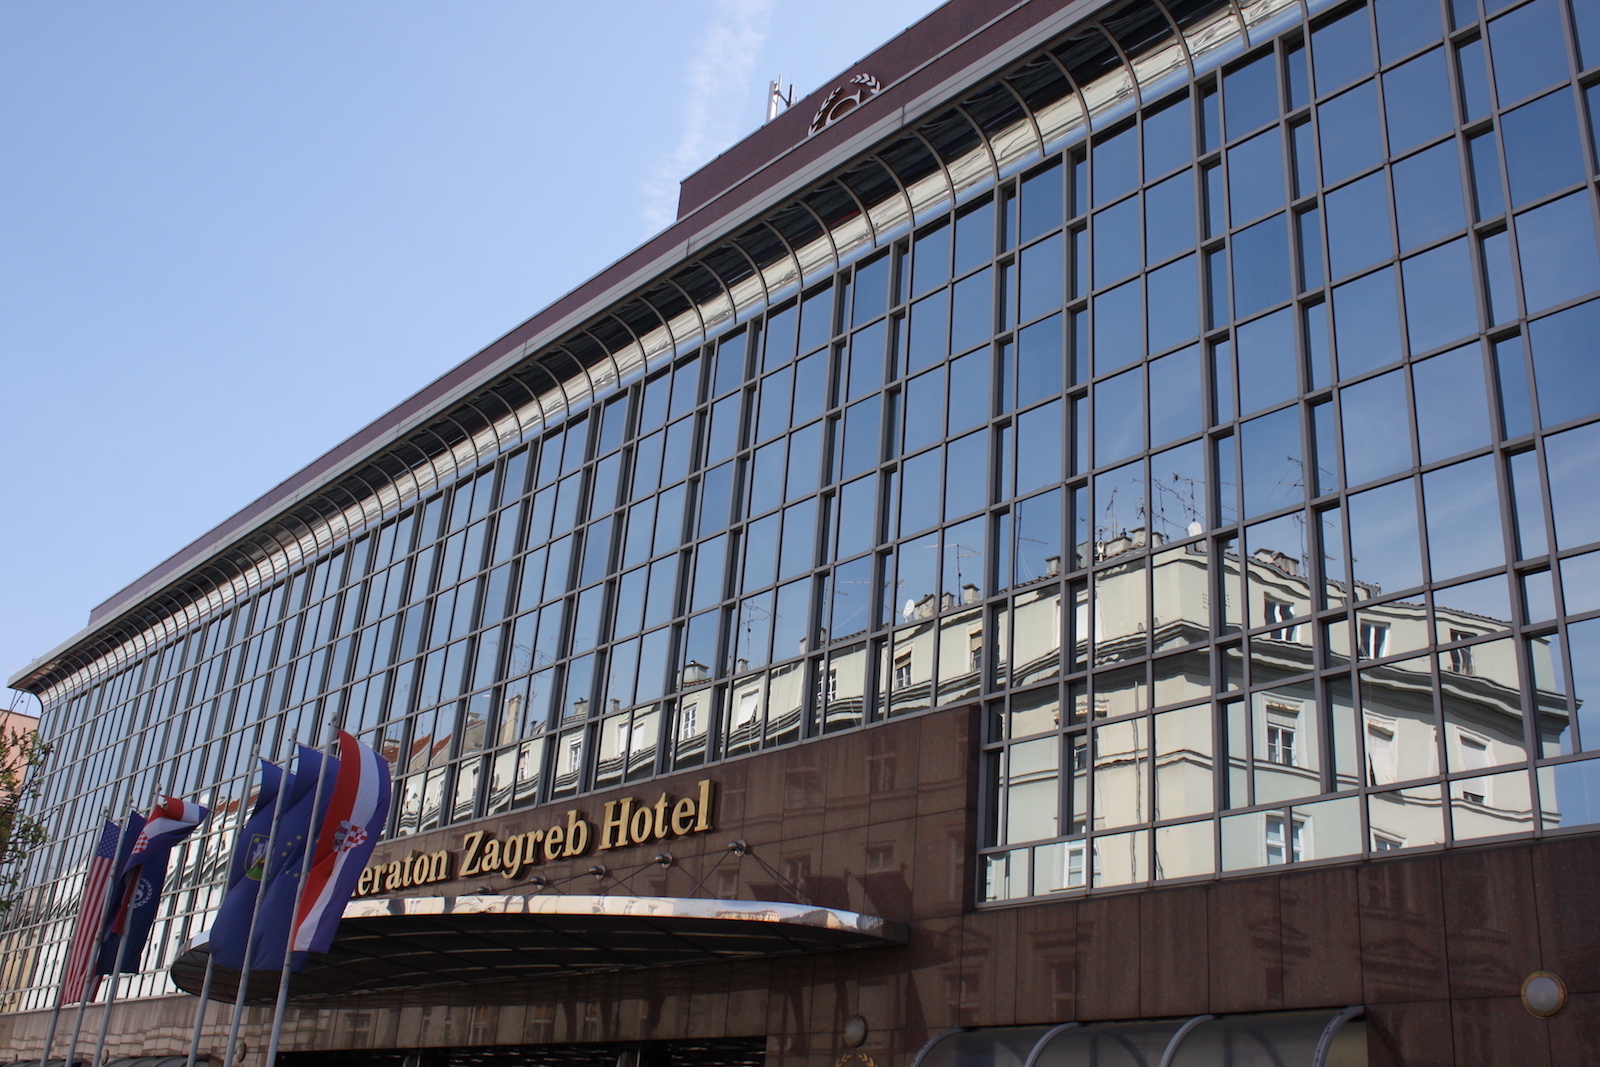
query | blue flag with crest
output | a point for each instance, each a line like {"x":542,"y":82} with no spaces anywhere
{"x":267,"y":873}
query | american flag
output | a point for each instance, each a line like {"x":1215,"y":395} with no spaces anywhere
{"x":78,"y":983}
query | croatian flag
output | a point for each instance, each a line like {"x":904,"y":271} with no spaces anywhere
{"x":355,"y":817}
{"x":143,"y":877}
{"x":78,"y":984}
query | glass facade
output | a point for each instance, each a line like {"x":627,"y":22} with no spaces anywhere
{"x":1204,"y":398}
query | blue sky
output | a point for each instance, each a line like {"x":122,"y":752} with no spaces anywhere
{"x":232,"y":234}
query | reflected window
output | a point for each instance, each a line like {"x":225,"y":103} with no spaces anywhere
{"x":1474,"y":755}
{"x":902,"y":670}
{"x":1381,"y":753}
{"x":1280,"y":744}
{"x":1285,"y":839}
{"x":745,"y":710}
{"x":1279,"y":611}
{"x":1374,"y":639}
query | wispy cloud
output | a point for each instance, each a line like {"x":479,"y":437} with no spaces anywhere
{"x":718,"y":77}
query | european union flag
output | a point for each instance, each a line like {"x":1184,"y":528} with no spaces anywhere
{"x":231,"y":928}
{"x":232,"y":931}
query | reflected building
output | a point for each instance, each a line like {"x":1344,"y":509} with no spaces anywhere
{"x":1100,"y":467}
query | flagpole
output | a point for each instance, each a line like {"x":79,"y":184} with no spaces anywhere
{"x":116,"y":980}
{"x":99,"y":929}
{"x":255,"y":909}
{"x":61,"y":986}
{"x":313,"y":832}
{"x":211,"y":959}
{"x":199,"y":1012}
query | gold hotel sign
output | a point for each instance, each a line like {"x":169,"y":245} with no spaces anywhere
{"x":628,"y":821}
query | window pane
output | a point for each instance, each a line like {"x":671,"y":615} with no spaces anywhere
{"x":1341,"y":50}
{"x":1178,"y":491}
{"x":1255,"y":177}
{"x":1366,"y":323}
{"x":805,"y":458}
{"x":1039,"y":361}
{"x":1523,"y":469}
{"x":1488,"y":198}
{"x":1310,"y":226}
{"x":1261,"y":275}
{"x":1542,"y":147}
{"x":972,"y":315}
{"x":1116,"y":242}
{"x":1116,"y":165}
{"x":1377,"y":431}
{"x":1117,"y":320}
{"x":1119,"y":421}
{"x":929,"y":328}
{"x":1529,"y":50}
{"x":1305,"y":159}
{"x":1440,"y":305}
{"x":1358,"y":225}
{"x":1041,"y":202}
{"x":861,"y":437}
{"x":919,"y":505}
{"x":966,"y":475}
{"x":1428,"y":195}
{"x":872,"y":279}
{"x":1169,"y":217}
{"x":1348,"y":125}
{"x":1168,"y":139}
{"x":930,"y":266}
{"x":867,"y":350}
{"x":1557,"y":248}
{"x":974,"y":247}
{"x":1039,"y":284}
{"x":1406,"y":25}
{"x":1572,"y":460}
{"x":970,"y":379}
{"x":1251,"y":96}
{"x":1383,"y":538}
{"x":1452,"y":405}
{"x":1418,"y":105}
{"x":1458,"y":502}
{"x":1039,"y":447}
{"x":1173,"y":296}
{"x":1564,"y":365}
{"x":1174,"y":385}
{"x":772,"y":415}
{"x":1499,"y":279}
{"x":1272,"y":469}
{"x":1268,"y":365}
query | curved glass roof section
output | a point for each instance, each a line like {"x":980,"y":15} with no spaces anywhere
{"x":1102,"y":70}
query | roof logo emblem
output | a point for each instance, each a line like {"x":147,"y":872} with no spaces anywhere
{"x":841,"y":102}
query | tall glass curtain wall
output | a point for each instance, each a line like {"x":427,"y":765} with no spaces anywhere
{"x":1331,"y":563}
{"x":1179,"y":452}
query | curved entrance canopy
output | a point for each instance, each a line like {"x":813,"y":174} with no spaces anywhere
{"x":1281,"y":1039}
{"x":431,"y":942}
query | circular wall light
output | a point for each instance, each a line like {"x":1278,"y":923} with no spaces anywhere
{"x":1544,"y":994}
